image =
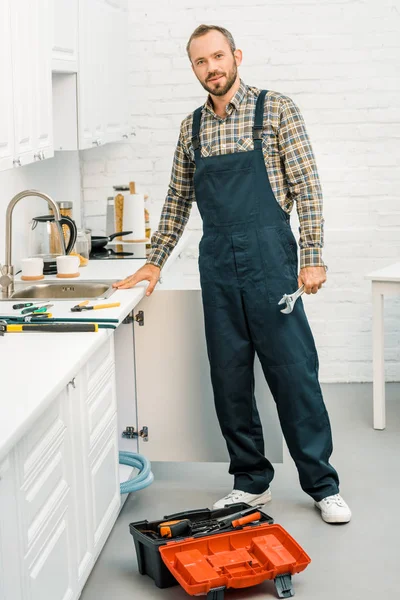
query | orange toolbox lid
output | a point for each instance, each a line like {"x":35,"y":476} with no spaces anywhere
{"x":238,"y":559}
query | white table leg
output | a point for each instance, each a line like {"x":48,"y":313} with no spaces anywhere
{"x":378,"y":357}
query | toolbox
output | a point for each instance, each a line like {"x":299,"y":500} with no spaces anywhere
{"x":209,"y":562}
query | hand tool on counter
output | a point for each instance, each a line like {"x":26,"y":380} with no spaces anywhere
{"x":290,"y":300}
{"x":36,"y":309}
{"x":47,"y":327}
{"x":185,"y":527}
{"x":80,"y":307}
{"x":27,"y":304}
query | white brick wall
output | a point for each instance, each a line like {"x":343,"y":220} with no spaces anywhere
{"x":340,"y":62}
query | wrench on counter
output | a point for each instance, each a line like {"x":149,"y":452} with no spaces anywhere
{"x":290,"y":300}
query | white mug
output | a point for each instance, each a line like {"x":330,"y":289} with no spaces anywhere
{"x":67,"y":265}
{"x":32,"y":267}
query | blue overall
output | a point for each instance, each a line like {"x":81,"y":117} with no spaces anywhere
{"x":247,"y":261}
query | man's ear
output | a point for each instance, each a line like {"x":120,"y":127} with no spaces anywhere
{"x":238,"y":57}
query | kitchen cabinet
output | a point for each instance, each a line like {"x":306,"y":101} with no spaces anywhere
{"x":6,"y":96}
{"x":65,"y":36}
{"x":103,"y":74}
{"x":31,"y":80}
{"x":10,"y":583}
{"x":46,"y":507}
{"x":174,"y":398}
{"x":59,"y":488}
{"x":43,"y":113}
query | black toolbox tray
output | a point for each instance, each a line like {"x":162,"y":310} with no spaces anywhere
{"x":148,"y":557}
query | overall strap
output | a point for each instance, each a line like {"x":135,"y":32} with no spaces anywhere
{"x":196,"y":132}
{"x":258,"y":120}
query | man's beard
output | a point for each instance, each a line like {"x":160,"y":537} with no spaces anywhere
{"x":221,"y":91}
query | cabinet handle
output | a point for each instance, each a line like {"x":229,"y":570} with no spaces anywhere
{"x":96,"y":143}
{"x":17,"y":162}
{"x":125,"y":135}
{"x":42,"y":156}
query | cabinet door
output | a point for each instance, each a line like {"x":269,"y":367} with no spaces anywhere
{"x":65,"y":35}
{"x":104,"y":478}
{"x":6,"y":96}
{"x":10,"y":581}
{"x":116,"y":74}
{"x":46,"y":506}
{"x":43,"y":116}
{"x":23,"y":24}
{"x":31,"y":51}
{"x":174,"y":393}
{"x":83,"y":527}
{"x":100,"y":442}
{"x":93,"y":49}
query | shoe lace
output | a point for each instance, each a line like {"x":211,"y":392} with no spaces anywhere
{"x":235,"y":495}
{"x":335,"y":499}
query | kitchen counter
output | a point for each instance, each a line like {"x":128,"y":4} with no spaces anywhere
{"x":35,"y":367}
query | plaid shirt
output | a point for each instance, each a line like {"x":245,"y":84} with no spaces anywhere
{"x":288,"y":157}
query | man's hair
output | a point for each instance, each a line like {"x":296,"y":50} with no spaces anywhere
{"x":203,"y":29}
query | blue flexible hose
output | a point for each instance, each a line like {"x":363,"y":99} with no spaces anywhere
{"x":144,"y":478}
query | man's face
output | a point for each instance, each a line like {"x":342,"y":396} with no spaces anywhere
{"x":213,"y":62}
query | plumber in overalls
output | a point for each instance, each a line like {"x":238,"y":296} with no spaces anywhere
{"x":245,"y":157}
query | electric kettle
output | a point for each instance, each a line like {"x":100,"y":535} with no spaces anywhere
{"x":48,"y":237}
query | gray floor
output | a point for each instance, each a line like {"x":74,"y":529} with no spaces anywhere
{"x":358,"y":561}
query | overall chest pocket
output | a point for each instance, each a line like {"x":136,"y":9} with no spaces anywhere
{"x":230,"y":194}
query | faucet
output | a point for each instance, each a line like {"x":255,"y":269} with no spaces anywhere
{"x":7,"y":271}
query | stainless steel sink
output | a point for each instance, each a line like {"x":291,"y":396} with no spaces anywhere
{"x":55,"y":290}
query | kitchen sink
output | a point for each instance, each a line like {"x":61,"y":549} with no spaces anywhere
{"x":54,"y":290}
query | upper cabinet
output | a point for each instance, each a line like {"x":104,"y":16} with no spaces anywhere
{"x":26,"y":122}
{"x":103,"y":72}
{"x":65,"y":36}
{"x":6,"y":96}
{"x":47,"y":48}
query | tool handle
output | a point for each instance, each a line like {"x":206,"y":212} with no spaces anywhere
{"x":53,"y":327}
{"x":23,"y":305}
{"x":112,"y":305}
{"x":247,"y":519}
{"x":169,"y":529}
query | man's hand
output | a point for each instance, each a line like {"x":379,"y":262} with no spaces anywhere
{"x":148,"y":272}
{"x":312,"y":278}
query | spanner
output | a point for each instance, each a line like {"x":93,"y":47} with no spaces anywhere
{"x":289,"y":300}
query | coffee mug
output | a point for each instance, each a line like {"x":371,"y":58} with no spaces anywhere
{"x":32,"y":268}
{"x":68,"y":266}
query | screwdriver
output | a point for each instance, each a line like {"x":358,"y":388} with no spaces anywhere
{"x":183,"y":527}
{"x":26,"y":304}
{"x":36,"y":309}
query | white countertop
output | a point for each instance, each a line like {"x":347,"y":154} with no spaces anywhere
{"x":35,"y":367}
{"x":389,"y":273}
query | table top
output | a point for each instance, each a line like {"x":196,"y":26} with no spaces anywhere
{"x":389,"y":273}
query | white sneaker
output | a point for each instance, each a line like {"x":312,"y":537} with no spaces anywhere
{"x":239,"y":496}
{"x":334,"y":509}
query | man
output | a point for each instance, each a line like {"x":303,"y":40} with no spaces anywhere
{"x":245,"y":157}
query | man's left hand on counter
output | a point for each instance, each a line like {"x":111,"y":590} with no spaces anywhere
{"x":148,"y":272}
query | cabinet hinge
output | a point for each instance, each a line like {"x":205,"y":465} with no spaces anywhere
{"x":131,"y":433}
{"x":139,"y":317}
{"x":128,"y":319}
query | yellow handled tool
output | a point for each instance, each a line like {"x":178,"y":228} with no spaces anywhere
{"x":48,"y":327}
{"x":80,"y":307}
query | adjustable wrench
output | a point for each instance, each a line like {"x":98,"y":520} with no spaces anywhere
{"x":290,"y":300}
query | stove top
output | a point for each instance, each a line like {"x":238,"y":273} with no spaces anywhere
{"x":120,"y":251}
